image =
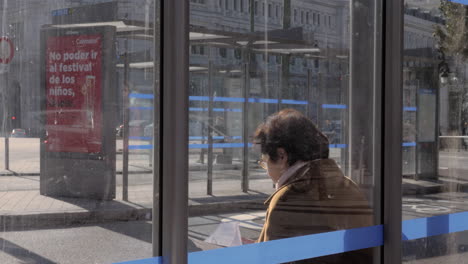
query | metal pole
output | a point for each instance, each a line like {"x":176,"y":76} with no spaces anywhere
{"x":245,"y":129}
{"x":7,"y":151}
{"x":209,"y":181}
{"x":309,"y":93}
{"x":416,"y":148}
{"x":7,"y":127}
{"x":126,"y":129}
{"x":174,"y":127}
{"x":156,"y":220}
{"x":392,"y":130}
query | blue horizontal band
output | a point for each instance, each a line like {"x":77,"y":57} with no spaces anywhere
{"x":155,"y":260}
{"x":409,"y":144}
{"x":200,"y":109}
{"x":464,"y":2}
{"x":218,"y":145}
{"x":238,"y":110}
{"x":215,"y":137}
{"x":229,"y":99}
{"x":287,"y":101}
{"x":434,"y":226}
{"x":199,"y":98}
{"x":311,"y":246}
{"x":140,"y":147}
{"x":289,"y":249}
{"x":334,"y":106}
{"x":141,"y":96}
{"x":337,"y":146}
{"x":263,"y":100}
{"x":140,"y":138}
{"x":410,"y":109}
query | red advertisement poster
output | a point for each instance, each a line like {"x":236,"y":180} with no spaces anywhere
{"x":73,"y":94}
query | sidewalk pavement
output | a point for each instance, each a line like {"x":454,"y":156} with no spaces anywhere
{"x":25,"y":209}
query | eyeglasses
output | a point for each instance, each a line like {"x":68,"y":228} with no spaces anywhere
{"x":263,"y":163}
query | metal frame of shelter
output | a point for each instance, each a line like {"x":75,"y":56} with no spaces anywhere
{"x":170,"y":207}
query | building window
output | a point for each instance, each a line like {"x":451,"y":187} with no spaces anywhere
{"x":256,"y":8}
{"x":242,"y":6}
{"x":226,"y":4}
{"x":238,"y":54}
{"x":318,"y":19}
{"x":277,"y":11}
{"x":295,"y":15}
{"x":223,"y":52}
{"x":235,"y":5}
{"x":329,"y":21}
{"x":269,"y":10}
{"x":302,"y":17}
{"x":263,"y":9}
{"x":220,"y":3}
{"x":314,"y":18}
{"x":307,"y":18}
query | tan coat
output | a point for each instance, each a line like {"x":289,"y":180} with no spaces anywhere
{"x":318,"y":198}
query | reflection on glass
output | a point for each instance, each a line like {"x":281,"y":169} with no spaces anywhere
{"x":434,"y":131}
{"x":76,"y":104}
{"x":250,"y":59}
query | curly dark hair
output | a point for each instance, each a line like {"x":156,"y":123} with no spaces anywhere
{"x":295,"y":133}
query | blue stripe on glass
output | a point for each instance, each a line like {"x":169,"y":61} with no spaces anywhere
{"x":156,"y":260}
{"x":289,"y":249}
{"x":426,"y":91}
{"x":140,"y":138}
{"x":141,"y":96}
{"x":263,"y":100}
{"x":140,"y":147}
{"x":229,"y":99}
{"x":198,"y":146}
{"x":305,"y":247}
{"x":409,"y":144}
{"x":199,"y":98}
{"x":464,"y":2}
{"x":410,"y":109}
{"x":140,"y":108}
{"x":219,"y":145}
{"x":200,"y":109}
{"x":238,"y":110}
{"x":334,"y":106}
{"x":198,"y":138}
{"x":337,"y":146}
{"x":434,"y":226}
{"x":288,"y":101}
{"x":197,"y":109}
{"x":293,"y":249}
{"x":215,"y":137}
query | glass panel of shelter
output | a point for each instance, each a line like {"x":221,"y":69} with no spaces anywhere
{"x":68,"y":135}
{"x":434,"y":131}
{"x":249,"y":66}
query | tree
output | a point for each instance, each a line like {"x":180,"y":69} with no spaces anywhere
{"x":452,"y":45}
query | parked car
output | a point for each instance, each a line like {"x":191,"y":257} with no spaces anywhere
{"x":18,"y":132}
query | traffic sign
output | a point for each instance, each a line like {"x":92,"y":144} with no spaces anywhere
{"x":6,"y":50}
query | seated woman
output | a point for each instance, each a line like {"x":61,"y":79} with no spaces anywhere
{"x":312,"y":194}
